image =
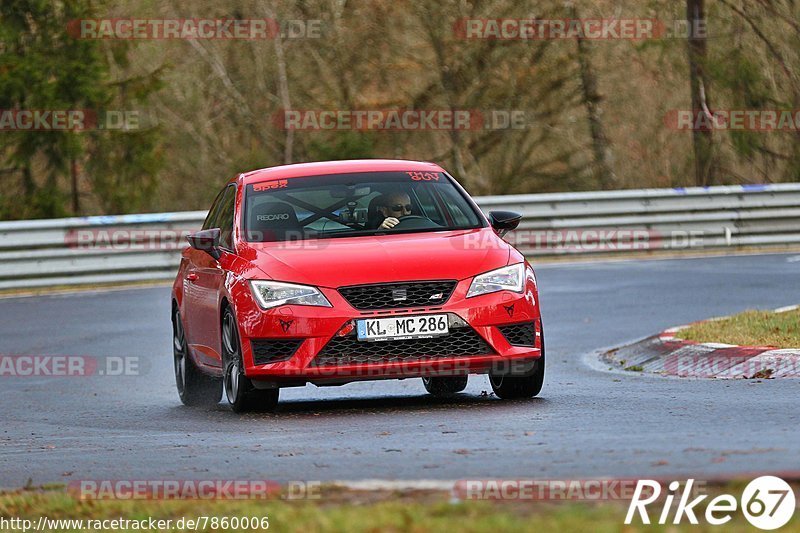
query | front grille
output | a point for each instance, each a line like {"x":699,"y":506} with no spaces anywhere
{"x":523,"y":334}
{"x":395,"y":295}
{"x":462,"y":342}
{"x":267,"y":351}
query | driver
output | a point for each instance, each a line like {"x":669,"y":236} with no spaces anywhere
{"x":393,"y":206}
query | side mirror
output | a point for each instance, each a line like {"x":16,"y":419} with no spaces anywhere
{"x":504,"y":221}
{"x":206,"y":240}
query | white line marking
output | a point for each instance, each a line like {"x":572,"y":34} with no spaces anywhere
{"x":550,"y":262}
{"x":385,"y":484}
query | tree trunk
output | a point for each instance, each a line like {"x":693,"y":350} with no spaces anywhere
{"x":283,"y":89}
{"x":283,"y":85}
{"x":73,"y":175}
{"x":591,"y":99}
{"x":702,"y":137}
{"x":27,"y":181}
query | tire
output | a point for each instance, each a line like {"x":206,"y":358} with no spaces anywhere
{"x":517,"y":387}
{"x":239,"y":390}
{"x":445,"y":386}
{"x":195,"y":389}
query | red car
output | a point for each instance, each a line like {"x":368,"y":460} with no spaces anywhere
{"x":334,"y":272}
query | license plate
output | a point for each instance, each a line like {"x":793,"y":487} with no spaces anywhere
{"x":399,"y":328}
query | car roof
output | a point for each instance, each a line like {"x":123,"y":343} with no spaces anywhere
{"x":335,"y":167}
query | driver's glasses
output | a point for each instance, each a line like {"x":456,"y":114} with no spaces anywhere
{"x":400,"y":207}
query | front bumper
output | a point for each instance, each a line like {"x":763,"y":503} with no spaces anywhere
{"x":315,"y":340}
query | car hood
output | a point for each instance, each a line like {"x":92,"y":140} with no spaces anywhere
{"x":340,"y":262}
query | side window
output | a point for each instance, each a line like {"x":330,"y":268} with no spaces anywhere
{"x":460,"y":217}
{"x":212,"y":213}
{"x":224,"y":218}
{"x":427,"y":203}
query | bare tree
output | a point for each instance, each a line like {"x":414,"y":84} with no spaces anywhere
{"x":283,"y":86}
{"x":591,"y":100}
{"x":702,"y":137}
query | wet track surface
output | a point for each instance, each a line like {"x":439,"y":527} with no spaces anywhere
{"x":587,"y":422}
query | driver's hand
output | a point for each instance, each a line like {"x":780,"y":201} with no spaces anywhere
{"x":389,"y":222}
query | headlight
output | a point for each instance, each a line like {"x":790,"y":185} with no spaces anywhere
{"x":510,"y":278}
{"x":274,"y":293}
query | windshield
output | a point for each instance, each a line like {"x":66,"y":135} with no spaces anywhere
{"x":348,"y":205}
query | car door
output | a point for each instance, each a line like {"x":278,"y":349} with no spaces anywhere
{"x":205,"y":277}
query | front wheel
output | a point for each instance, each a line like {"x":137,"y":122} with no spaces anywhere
{"x":194,"y":387}
{"x":509,"y":387}
{"x":445,"y":386}
{"x":241,"y":394}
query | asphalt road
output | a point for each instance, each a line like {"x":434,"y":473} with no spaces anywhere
{"x":588,"y":422}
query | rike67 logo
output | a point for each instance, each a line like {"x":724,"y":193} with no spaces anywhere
{"x":767,"y":502}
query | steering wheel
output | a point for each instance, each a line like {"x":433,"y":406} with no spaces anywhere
{"x":415,"y":222}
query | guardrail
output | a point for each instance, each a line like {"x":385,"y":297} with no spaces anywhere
{"x":36,"y":253}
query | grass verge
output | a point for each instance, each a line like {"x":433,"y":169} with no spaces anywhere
{"x":751,"y":328}
{"x":353,"y":511}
